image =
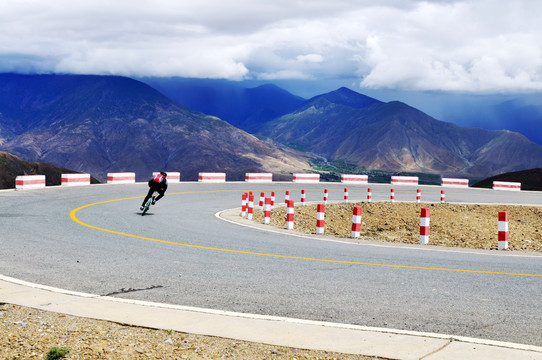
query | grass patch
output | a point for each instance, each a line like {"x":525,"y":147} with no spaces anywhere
{"x":56,"y":353}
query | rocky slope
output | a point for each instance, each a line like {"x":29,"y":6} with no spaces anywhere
{"x":11,"y":167}
{"x":530,"y":179}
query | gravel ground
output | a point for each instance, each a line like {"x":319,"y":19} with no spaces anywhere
{"x":31,"y":334}
{"x":452,"y":225}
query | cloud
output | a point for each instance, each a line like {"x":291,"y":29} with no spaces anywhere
{"x":465,"y":46}
{"x":310,"y":58}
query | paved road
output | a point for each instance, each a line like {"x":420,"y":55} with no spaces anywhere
{"x":177,"y":259}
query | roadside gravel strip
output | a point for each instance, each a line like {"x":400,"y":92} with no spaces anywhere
{"x":166,"y":269}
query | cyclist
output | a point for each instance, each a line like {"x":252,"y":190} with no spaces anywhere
{"x":156,"y":183}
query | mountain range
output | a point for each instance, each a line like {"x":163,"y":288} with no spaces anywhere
{"x":99,"y":124}
{"x":395,"y":136}
{"x":363,"y":131}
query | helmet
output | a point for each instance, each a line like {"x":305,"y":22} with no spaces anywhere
{"x":163,"y":174}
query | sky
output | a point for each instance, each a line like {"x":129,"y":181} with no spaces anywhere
{"x":478,"y":46}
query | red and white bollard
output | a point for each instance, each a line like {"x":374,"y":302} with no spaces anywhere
{"x":356,"y":222}
{"x":262,"y":197}
{"x":244,"y":199}
{"x":369,"y":194}
{"x":250,"y":209}
{"x":290,"y":215}
{"x":303,"y":197}
{"x":272,"y":199}
{"x":418,"y":196}
{"x":345,"y":195}
{"x":425,"y":215}
{"x":320,"y":214}
{"x":286,"y":197}
{"x":326,"y":193}
{"x":442,"y":196}
{"x":392,"y":195}
{"x":503,"y":230}
{"x":267,"y":211}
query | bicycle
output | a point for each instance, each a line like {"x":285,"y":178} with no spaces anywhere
{"x":148,"y":204}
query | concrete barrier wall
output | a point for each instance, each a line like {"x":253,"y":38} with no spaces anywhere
{"x":121,"y":178}
{"x":504,"y":185}
{"x":306,"y":178}
{"x":25,"y":182}
{"x":354,"y":179}
{"x":258,"y":177}
{"x":404,"y":180}
{"x":172,"y":176}
{"x":454,"y":182}
{"x":75,"y":179}
{"x":211,"y":177}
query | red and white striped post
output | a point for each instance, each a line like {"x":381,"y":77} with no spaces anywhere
{"x":356,"y":222}
{"x":244,"y":198}
{"x":303,"y":197}
{"x":262,"y":197}
{"x":503,"y":230}
{"x":425,"y":215}
{"x":272,"y":199}
{"x":267,"y":211}
{"x":320,"y":214}
{"x":290,"y":215}
{"x":392,"y":195}
{"x":250,"y":209}
{"x":286,"y":197}
{"x":369,"y":194}
{"x":345,"y":195}
{"x":442,"y":196}
{"x":418,"y":196}
{"x":326,"y":193}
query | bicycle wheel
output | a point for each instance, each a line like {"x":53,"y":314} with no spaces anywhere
{"x":147,"y":205}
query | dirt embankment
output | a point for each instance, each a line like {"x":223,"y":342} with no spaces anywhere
{"x":451,"y":225}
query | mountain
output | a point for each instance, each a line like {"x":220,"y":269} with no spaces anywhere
{"x":344,"y":96}
{"x":242,"y":107}
{"x":11,"y":167}
{"x":101,"y":124}
{"x":396,"y":137}
{"x":530,"y":179}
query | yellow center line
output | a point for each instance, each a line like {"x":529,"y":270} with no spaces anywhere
{"x":73,"y":216}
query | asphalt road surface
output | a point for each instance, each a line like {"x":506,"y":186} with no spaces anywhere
{"x":92,"y":239}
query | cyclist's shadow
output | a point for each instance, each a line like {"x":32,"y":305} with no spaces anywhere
{"x":146,"y":214}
